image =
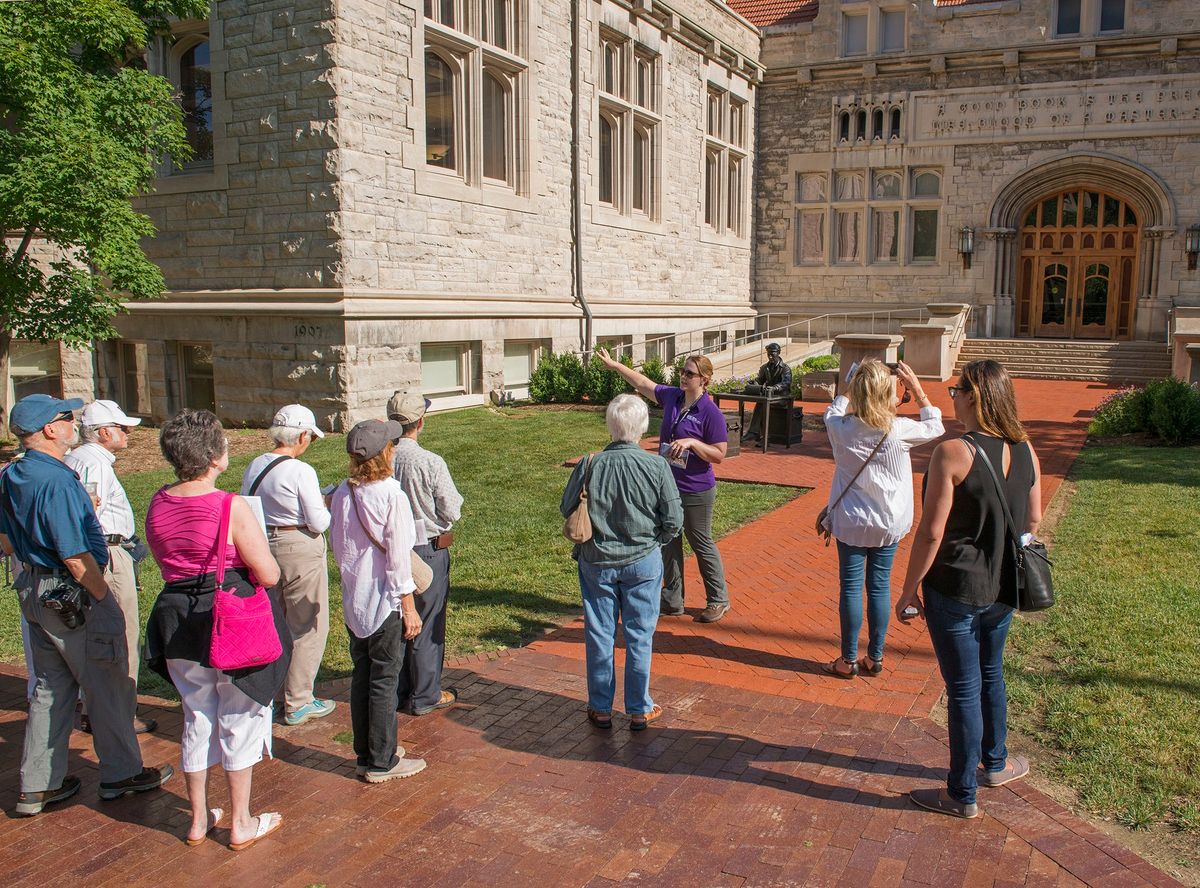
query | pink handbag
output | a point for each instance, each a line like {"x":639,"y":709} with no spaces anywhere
{"x":243,"y":629}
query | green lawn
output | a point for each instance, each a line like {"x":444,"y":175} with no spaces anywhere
{"x":1108,"y":678}
{"x":511,"y":572}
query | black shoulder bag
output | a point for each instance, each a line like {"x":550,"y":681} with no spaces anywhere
{"x":1035,"y":587}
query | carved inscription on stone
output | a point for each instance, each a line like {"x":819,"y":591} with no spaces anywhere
{"x":1079,"y":109}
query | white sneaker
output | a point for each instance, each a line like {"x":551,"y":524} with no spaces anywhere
{"x":403,"y":768}
{"x":361,"y":770}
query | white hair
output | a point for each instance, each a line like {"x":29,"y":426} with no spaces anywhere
{"x":89,"y":434}
{"x":627,"y":418}
{"x":285,"y":436}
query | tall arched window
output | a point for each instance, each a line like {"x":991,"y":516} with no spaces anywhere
{"x":607,"y":175}
{"x":195,"y":87}
{"x":439,"y":113}
{"x":495,"y":126}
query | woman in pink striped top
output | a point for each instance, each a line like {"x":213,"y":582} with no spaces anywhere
{"x":226,"y":715}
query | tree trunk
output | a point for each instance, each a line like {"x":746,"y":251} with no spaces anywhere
{"x":5,"y":384}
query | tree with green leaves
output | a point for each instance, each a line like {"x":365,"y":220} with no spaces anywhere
{"x":83,"y":129}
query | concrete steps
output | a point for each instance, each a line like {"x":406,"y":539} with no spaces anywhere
{"x":1120,"y":363}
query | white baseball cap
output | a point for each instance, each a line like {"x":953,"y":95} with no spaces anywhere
{"x":297,"y":416}
{"x":102,"y":413}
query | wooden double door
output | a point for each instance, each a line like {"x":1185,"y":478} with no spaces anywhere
{"x":1077,"y":267}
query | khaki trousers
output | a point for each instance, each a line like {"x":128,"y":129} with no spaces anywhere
{"x":303,"y":591}
{"x":121,"y":576}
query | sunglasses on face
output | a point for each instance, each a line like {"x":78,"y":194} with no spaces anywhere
{"x":954,"y":391}
{"x":689,"y":374}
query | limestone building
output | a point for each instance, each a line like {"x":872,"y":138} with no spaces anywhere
{"x":398,"y":194}
{"x":1038,"y":159}
{"x":428,"y":195}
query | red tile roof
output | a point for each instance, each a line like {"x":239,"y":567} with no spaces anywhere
{"x":787,"y":12}
{"x":775,"y":12}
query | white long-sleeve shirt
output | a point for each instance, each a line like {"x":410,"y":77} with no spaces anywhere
{"x":93,"y":463}
{"x":290,"y":494}
{"x":878,"y":509}
{"x":372,"y":583}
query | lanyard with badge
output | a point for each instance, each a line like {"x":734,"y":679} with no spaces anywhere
{"x":664,"y":447}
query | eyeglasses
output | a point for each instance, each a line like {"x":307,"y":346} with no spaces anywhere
{"x":689,"y":374}
{"x":954,"y":391}
{"x":65,"y":416}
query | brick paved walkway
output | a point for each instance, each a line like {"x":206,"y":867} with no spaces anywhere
{"x":761,"y":773}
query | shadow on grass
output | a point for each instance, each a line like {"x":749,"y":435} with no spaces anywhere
{"x":528,"y":615}
{"x":1099,"y":677}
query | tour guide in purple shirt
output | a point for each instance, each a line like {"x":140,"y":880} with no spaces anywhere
{"x":693,"y":439}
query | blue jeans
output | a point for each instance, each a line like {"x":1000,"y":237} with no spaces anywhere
{"x":877,"y":563}
{"x":969,"y":643}
{"x":630,"y":594}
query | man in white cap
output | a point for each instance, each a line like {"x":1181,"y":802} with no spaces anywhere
{"x":436,"y":504}
{"x":104,"y":431}
{"x":296,"y":516}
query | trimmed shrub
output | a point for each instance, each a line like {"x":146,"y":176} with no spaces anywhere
{"x":819,"y":362}
{"x":569,"y":381}
{"x":1124,"y":412}
{"x":600,"y":384}
{"x":1174,"y":411}
{"x":677,"y":369}
{"x":542,"y":384}
{"x":654,"y":370}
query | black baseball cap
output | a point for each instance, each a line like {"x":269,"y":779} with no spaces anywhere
{"x":369,"y":437}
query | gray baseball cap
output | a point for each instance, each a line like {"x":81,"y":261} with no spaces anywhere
{"x":369,"y":437}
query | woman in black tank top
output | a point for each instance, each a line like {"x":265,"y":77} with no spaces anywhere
{"x":962,"y":558}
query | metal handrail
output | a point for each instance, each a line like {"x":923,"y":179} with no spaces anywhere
{"x":960,"y":327}
{"x":763,"y":331}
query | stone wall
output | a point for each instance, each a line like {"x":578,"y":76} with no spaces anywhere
{"x":995,"y":51}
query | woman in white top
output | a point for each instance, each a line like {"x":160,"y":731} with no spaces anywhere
{"x":372,"y":535}
{"x":875,"y":513}
{"x":296,"y":518}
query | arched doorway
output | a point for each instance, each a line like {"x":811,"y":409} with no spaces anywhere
{"x":1077,"y":267}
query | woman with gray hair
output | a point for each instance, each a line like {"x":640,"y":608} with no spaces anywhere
{"x":296,"y":517}
{"x":634,"y":507}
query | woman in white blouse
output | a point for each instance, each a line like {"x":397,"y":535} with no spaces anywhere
{"x":871,"y":515}
{"x":372,"y":535}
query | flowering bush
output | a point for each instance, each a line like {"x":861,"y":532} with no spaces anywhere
{"x":1167,"y":408}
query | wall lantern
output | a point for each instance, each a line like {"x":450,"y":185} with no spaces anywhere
{"x":966,"y":245}
{"x":1191,"y":245}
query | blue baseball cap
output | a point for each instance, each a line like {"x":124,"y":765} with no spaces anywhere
{"x":34,"y":411}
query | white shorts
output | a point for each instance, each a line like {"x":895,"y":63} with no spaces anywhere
{"x":221,"y":725}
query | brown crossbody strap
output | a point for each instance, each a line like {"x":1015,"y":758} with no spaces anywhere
{"x":866,"y":461}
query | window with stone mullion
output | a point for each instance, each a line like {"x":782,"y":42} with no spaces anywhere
{"x":627,"y":127}
{"x":473,"y":100}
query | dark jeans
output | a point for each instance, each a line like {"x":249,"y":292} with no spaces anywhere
{"x":378,"y":660}
{"x":969,"y":643}
{"x":421,"y":680}
{"x":697,"y":527}
{"x":876,"y":563}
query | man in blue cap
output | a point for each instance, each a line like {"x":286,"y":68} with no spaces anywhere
{"x":76,"y":628}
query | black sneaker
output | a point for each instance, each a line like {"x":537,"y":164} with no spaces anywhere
{"x":30,"y":803}
{"x":150,"y":778}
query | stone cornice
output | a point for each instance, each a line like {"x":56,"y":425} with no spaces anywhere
{"x":350,"y":304}
{"x":1005,"y":58}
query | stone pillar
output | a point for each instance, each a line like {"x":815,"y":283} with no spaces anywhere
{"x":1004,"y":307}
{"x":856,"y":346}
{"x":78,"y":378}
{"x":1185,"y":336}
{"x":927,"y":350}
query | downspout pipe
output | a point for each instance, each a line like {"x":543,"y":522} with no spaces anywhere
{"x":576,"y":182}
